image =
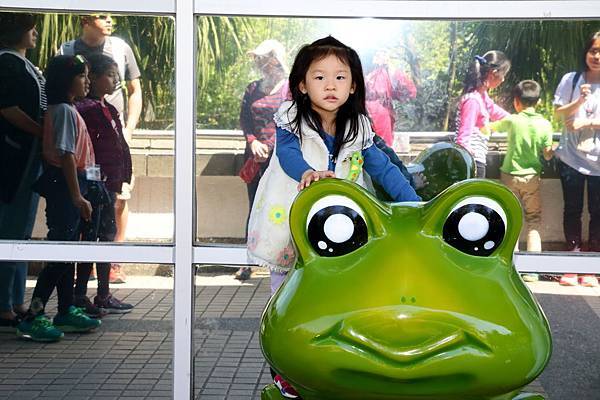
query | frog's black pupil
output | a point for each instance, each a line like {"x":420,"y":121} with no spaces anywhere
{"x":326,"y":247}
{"x":480,"y":247}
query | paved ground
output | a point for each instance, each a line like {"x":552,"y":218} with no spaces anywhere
{"x":130,"y":356}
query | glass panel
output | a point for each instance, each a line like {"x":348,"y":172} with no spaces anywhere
{"x":228,"y":362}
{"x":427,"y":63}
{"x":129,"y":354}
{"x":143,"y":50}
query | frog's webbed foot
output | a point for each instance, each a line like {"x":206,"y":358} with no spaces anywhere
{"x":271,"y":392}
{"x":528,"y":396}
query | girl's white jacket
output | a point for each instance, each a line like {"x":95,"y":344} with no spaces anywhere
{"x":269,"y":239}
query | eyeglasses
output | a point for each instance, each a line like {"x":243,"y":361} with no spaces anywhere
{"x":594,"y":52}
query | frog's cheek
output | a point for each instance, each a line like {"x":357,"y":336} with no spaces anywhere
{"x":459,"y":215}
{"x":333,"y":217}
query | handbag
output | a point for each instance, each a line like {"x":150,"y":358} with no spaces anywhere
{"x":249,"y":170}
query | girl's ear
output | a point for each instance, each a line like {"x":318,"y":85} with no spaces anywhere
{"x":302,"y":88}
{"x":352,"y":88}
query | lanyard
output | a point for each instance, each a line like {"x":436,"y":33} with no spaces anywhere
{"x":110,"y":118}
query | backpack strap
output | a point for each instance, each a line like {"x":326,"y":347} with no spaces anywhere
{"x":67,"y":48}
{"x":574,"y":83}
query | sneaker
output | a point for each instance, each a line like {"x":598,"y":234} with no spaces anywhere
{"x":568,"y":280}
{"x":112,"y":305}
{"x":588,"y":281}
{"x":116,"y":274}
{"x":75,"y":320}
{"x":243,"y":274}
{"x":88,"y":307}
{"x":530,"y":277}
{"x":8,"y":325}
{"x":39,"y":329}
{"x":285,"y":388}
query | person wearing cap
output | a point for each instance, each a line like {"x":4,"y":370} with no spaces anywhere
{"x":261,"y":100}
{"x":22,"y":105}
{"x":96,"y":39}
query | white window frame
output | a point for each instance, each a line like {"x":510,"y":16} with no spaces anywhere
{"x":181,"y":252}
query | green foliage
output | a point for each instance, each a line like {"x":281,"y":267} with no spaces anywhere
{"x":440,"y":50}
{"x":152,"y":40}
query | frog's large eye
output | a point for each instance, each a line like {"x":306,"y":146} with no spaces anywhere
{"x":336,"y":226}
{"x":475,"y":226}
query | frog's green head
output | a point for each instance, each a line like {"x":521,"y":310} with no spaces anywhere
{"x":406,"y":300}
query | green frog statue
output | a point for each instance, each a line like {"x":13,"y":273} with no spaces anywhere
{"x":405,"y":300}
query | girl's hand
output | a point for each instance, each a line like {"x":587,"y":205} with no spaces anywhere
{"x":312,"y":176}
{"x":420,"y":180}
{"x":585,"y":91}
{"x":84,"y":206}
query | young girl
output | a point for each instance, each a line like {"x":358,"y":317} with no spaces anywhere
{"x":112,"y":153}
{"x":476,"y":109}
{"x":70,"y":191}
{"x":577,"y":101}
{"x":317,"y":134}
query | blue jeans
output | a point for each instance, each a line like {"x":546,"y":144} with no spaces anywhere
{"x":573,"y":183}
{"x":16,"y":223}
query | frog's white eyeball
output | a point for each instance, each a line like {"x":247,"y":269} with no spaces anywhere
{"x":475,"y":226}
{"x":336,"y":226}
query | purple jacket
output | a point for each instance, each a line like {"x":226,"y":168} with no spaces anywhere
{"x":110,"y":147}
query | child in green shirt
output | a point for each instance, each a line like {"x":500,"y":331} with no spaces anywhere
{"x":528,"y":135}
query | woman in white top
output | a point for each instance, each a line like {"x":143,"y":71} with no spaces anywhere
{"x":577,"y":102}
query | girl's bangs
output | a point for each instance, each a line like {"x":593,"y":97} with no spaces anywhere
{"x":325,"y":51}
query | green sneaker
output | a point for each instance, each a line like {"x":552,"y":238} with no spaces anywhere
{"x":39,"y":329}
{"x":75,"y":320}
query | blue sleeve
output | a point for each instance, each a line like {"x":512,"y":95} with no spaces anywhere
{"x":386,"y":174}
{"x":289,"y":154}
{"x":380,"y":143}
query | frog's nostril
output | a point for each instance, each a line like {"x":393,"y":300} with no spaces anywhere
{"x":413,"y":299}
{"x":403,"y":299}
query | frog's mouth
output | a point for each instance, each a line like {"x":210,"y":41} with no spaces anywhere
{"x":401,"y":339}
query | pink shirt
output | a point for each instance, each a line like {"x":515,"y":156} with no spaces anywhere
{"x":381,"y":89}
{"x":474,"y":112}
{"x":65,"y":132}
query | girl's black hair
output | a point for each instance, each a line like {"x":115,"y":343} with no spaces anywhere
{"x":482,"y":66}
{"x":588,"y":45}
{"x":13,"y":26}
{"x":60,"y":73}
{"x":350,"y":111}
{"x":99,"y":65}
